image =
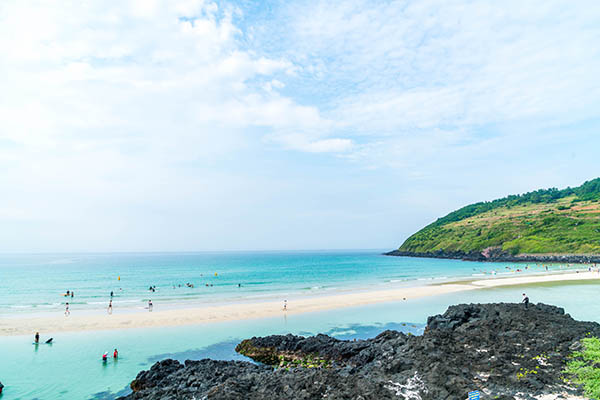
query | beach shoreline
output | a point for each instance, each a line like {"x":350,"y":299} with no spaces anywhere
{"x":15,"y":326}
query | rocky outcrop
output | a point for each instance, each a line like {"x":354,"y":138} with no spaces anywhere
{"x":497,"y":255}
{"x":503,"y":350}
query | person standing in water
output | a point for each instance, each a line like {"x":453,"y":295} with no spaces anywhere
{"x":115,"y":354}
{"x":150,"y":306}
{"x":37,"y":337}
{"x":110,"y":306}
{"x":67,"y":312}
{"x":525,"y":301}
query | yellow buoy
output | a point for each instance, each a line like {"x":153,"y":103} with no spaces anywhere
{"x":119,"y":278}
{"x":215,"y":274}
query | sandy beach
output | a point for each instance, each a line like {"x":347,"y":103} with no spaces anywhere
{"x":199,"y":315}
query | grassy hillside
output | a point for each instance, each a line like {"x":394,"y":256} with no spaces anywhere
{"x":548,"y":221}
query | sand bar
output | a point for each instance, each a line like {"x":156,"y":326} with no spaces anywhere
{"x":227,"y":312}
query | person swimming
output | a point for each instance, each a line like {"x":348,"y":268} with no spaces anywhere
{"x":105,"y":357}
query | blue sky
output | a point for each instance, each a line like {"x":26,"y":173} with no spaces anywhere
{"x":153,"y":125}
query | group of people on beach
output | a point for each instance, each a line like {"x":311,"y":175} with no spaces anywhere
{"x":191,"y":285}
{"x":36,"y":339}
{"x":105,"y":356}
{"x":519,"y":268}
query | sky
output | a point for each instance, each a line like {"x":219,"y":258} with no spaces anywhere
{"x":190,"y":125}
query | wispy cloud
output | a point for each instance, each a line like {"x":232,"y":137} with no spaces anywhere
{"x":394,"y":69}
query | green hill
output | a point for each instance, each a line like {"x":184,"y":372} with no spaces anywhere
{"x":549,"y":221}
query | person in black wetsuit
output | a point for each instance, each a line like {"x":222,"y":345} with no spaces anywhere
{"x":525,"y":301}
{"x":37,"y":337}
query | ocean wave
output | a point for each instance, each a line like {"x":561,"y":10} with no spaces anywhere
{"x":47,"y":305}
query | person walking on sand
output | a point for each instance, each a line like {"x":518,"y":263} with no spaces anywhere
{"x":525,"y":301}
{"x":150,"y":305}
{"x":285,"y":305}
{"x":110,"y":306}
{"x":67,"y":312}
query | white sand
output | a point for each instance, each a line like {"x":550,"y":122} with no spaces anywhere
{"x":191,"y":316}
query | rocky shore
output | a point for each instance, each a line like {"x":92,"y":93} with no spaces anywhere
{"x":495,"y":255}
{"x":503,"y":350}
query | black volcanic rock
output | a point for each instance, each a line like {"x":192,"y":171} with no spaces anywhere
{"x":497,"y":255}
{"x":500,"y":349}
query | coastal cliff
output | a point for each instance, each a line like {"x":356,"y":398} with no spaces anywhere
{"x":543,"y":226}
{"x":503,"y":350}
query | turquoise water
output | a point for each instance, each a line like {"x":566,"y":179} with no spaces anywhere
{"x":71,"y":367}
{"x":36,"y":283}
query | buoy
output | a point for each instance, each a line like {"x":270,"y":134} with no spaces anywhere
{"x":216,"y":274}
{"x":119,"y":278}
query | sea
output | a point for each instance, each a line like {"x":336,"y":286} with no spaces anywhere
{"x":71,"y":368}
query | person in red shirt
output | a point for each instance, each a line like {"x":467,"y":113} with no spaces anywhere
{"x":115,"y":354}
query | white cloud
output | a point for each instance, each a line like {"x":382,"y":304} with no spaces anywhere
{"x":301,"y":142}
